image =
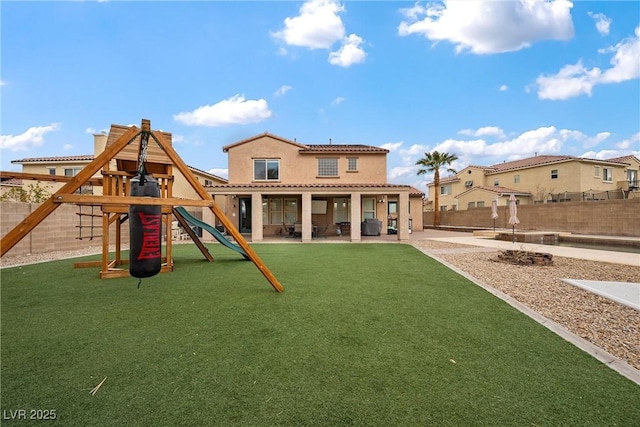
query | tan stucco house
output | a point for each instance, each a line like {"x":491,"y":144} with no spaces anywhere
{"x":539,"y":179}
{"x":278,"y":186}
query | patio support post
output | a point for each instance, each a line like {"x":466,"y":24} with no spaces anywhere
{"x":307,"y":227}
{"x":356,"y":216}
{"x":257,"y":231}
{"x":403,"y":216}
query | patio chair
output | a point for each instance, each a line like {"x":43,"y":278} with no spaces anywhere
{"x":297,"y":229}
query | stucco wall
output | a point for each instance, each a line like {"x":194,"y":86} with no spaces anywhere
{"x":296,"y":168}
{"x":610,"y":217}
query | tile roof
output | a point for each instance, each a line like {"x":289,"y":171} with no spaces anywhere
{"x":451,"y":178}
{"x":80,"y":158}
{"x":528,"y":162}
{"x":496,"y":189}
{"x":413,"y":192}
{"x":539,"y":161}
{"x":208,"y":173}
{"x":88,"y":158}
{"x":624,"y":159}
{"x":253,"y":138}
{"x":11,"y":181}
{"x":313,"y":148}
{"x":342,"y":148}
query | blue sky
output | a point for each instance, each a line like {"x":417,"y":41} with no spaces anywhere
{"x":489,"y":81}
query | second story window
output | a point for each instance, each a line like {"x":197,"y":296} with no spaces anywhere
{"x":554,"y":174}
{"x":71,"y":171}
{"x":607,"y":174}
{"x":327,"y":167}
{"x":352,"y":164}
{"x":516,"y":179}
{"x":52,"y":171}
{"x":266,"y":169}
{"x":596,"y":171}
{"x":445,"y":190}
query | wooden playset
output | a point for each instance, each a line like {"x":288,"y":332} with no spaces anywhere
{"x":132,"y":153}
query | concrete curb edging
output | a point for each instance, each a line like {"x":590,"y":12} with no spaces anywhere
{"x":600,"y":354}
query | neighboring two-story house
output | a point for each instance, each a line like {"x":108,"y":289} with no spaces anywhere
{"x":329,"y":189}
{"x":71,"y":165}
{"x":539,"y":179}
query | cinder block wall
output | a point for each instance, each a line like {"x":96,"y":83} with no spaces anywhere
{"x":58,"y":232}
{"x":608,"y":217}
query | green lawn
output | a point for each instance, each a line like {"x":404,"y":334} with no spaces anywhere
{"x":364,"y":334}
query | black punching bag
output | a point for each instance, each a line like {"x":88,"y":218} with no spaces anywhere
{"x":145,"y":230}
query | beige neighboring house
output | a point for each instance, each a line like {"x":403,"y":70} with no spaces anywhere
{"x":539,"y":179}
{"x":280,"y":187}
{"x":71,"y":165}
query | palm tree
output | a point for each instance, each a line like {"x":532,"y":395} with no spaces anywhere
{"x":432,"y":162}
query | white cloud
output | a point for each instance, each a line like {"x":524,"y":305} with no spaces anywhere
{"x":222,"y":173}
{"x":2,"y":82}
{"x":67,"y":147}
{"x":633,"y":142}
{"x":625,"y":60}
{"x":544,"y":140}
{"x":486,"y":130}
{"x":93,"y":131}
{"x":400,"y":172}
{"x":349,"y":53}
{"x":337,"y":101}
{"x":602,"y":154}
{"x":32,"y":137}
{"x":504,"y":88}
{"x":318,"y":26}
{"x":488,"y":26}
{"x":177,"y":139}
{"x":232,"y":111}
{"x":392,"y":146}
{"x":593,"y":141}
{"x":575,"y":80}
{"x":603,"y":22}
{"x":282,"y":90}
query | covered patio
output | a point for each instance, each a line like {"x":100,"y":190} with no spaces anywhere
{"x":308,"y":212}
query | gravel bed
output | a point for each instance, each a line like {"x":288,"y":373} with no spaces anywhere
{"x":611,"y":326}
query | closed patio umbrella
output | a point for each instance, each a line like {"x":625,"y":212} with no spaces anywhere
{"x":494,"y":212}
{"x":513,"y":216}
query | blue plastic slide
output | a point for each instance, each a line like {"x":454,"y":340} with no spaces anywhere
{"x":212,"y":230}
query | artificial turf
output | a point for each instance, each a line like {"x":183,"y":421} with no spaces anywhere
{"x":364,"y":334}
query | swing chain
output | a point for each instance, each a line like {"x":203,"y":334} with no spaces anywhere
{"x":144,"y":143}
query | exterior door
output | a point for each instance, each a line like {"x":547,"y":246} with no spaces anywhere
{"x":244,"y":214}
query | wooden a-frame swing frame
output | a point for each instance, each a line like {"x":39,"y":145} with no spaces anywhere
{"x":115,"y":206}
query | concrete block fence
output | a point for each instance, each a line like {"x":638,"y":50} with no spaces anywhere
{"x":60,"y":231}
{"x":604,"y":217}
